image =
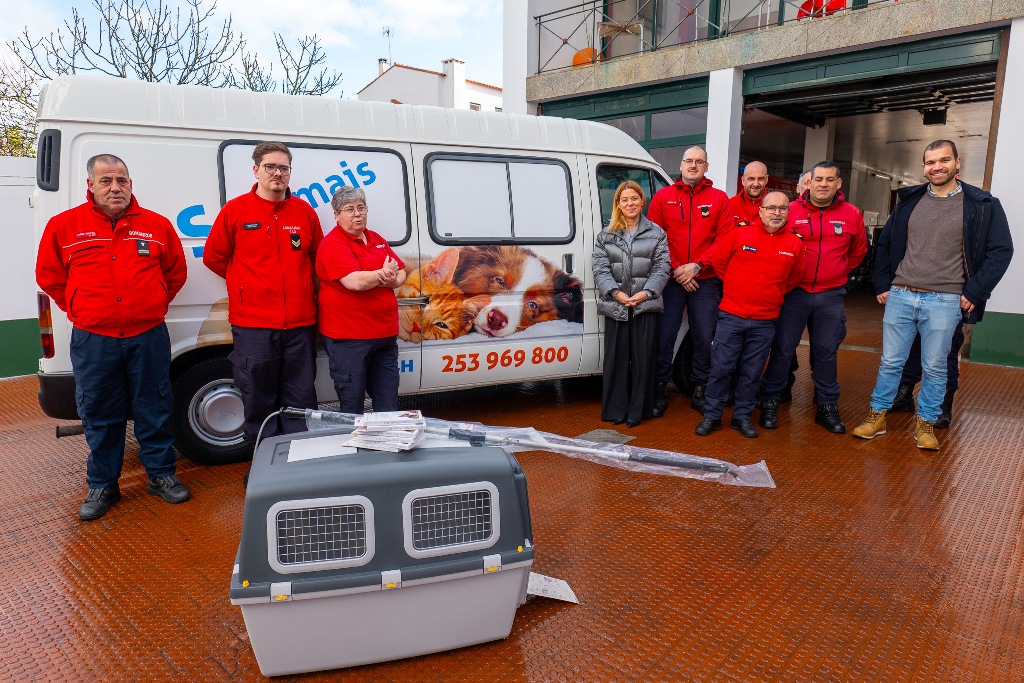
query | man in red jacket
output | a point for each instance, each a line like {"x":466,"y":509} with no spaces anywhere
{"x":746,"y":205}
{"x":836,"y":242}
{"x":758,"y":264}
{"x":264,"y":244}
{"x":693,"y":214}
{"x":114,"y":267}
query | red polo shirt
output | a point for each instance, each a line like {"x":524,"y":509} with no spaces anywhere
{"x":347,"y":314}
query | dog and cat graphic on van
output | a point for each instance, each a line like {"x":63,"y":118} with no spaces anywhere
{"x":493,"y":291}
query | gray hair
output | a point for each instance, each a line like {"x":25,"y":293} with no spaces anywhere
{"x":347,"y":194}
{"x":109,"y":159}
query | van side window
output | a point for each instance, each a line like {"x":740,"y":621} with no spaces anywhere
{"x":610,"y":177}
{"x":487,"y":199}
{"x":318,"y":171}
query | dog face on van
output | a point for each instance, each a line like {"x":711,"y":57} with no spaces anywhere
{"x":449,"y":314}
{"x":525,"y":289}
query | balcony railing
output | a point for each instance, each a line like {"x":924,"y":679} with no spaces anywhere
{"x":599,"y":30}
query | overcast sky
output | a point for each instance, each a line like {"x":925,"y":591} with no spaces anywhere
{"x":426,"y":32}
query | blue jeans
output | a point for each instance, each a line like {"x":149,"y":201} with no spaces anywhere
{"x":933,"y":315}
{"x":113,"y":375}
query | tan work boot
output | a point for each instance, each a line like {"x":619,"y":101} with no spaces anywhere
{"x":872,"y":426}
{"x":925,"y":436}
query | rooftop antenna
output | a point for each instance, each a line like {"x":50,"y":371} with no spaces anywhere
{"x":387,"y":33}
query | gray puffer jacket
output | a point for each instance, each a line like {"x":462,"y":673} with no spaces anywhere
{"x":631,"y":267}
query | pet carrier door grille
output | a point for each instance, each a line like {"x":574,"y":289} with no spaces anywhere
{"x":451,"y":519}
{"x":311,"y":535}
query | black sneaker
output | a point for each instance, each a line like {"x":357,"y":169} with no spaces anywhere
{"x":697,"y":398}
{"x":707,"y":425}
{"x":744,"y":426}
{"x":660,"y":399}
{"x":98,"y":502}
{"x":828,"y":417}
{"x":904,"y":401}
{"x":169,"y":488}
{"x":945,"y":410}
{"x":769,"y":413}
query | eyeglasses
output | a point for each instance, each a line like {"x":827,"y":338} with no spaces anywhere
{"x":352,"y":210}
{"x":274,"y":168}
{"x":694,"y":162}
{"x":776,"y":209}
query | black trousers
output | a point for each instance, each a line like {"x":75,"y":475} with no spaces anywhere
{"x":630,"y":354}
{"x":274,"y":369}
{"x":364,"y":366}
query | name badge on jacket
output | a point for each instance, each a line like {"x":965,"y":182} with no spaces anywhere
{"x":251,"y":226}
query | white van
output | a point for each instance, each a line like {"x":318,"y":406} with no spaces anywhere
{"x":514,"y":201}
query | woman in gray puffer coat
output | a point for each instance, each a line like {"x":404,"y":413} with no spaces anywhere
{"x":631,"y":268}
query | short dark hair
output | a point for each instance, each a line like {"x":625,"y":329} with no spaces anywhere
{"x":90,"y":165}
{"x":939,"y":144}
{"x":826,"y":164}
{"x":264,"y":148}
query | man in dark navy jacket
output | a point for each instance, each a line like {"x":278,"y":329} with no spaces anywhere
{"x":941,"y":253}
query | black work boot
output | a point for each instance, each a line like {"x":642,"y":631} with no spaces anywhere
{"x":707,"y":425}
{"x":697,"y":402}
{"x":904,"y":401}
{"x":769,"y":413}
{"x":828,"y":417}
{"x":744,"y":426}
{"x":169,"y":488}
{"x":97,"y":502}
{"x":946,"y":410}
{"x":660,"y":398}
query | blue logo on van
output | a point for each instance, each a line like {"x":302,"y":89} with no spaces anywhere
{"x":189,"y":229}
{"x":316,"y":191}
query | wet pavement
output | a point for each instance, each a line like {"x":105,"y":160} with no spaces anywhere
{"x":870,"y":561}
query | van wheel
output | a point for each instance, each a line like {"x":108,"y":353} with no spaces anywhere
{"x":682,"y":366}
{"x":208,"y":416}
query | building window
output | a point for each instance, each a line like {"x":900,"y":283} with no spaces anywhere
{"x":475,"y":106}
{"x":633,"y":126}
{"x":679,"y":123}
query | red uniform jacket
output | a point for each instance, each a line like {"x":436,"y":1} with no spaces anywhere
{"x":693,"y":218}
{"x":347,"y":314}
{"x":111,"y":279}
{"x":746,"y":211}
{"x":835,"y":241}
{"x":758,"y":269}
{"x":266,"y":251}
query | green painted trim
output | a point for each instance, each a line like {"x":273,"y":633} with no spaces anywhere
{"x":677,"y":95}
{"x":923,"y":55}
{"x":997,"y":339}
{"x":21,"y":349}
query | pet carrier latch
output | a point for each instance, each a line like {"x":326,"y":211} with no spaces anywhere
{"x":281,"y":592}
{"x":492,"y":563}
{"x":391,"y":579}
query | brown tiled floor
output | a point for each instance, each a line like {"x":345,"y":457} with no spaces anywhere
{"x":871,"y":561}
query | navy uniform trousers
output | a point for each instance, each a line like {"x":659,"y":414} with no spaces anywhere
{"x":741,"y":346}
{"x":701,"y":312}
{"x":274,"y":369}
{"x":823,"y":315}
{"x":113,"y":374}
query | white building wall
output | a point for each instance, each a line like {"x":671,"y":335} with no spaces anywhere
{"x":725,"y":121}
{"x":1005,"y":172}
{"x":17,"y":261}
{"x":489,"y":99}
{"x":408,"y":86}
{"x":518,"y":43}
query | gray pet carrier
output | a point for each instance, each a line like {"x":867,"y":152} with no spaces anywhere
{"x":372,"y":556}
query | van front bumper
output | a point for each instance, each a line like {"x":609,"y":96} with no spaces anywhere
{"x":57,"y":395}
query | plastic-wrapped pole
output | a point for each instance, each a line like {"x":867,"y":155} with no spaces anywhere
{"x":616,"y":455}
